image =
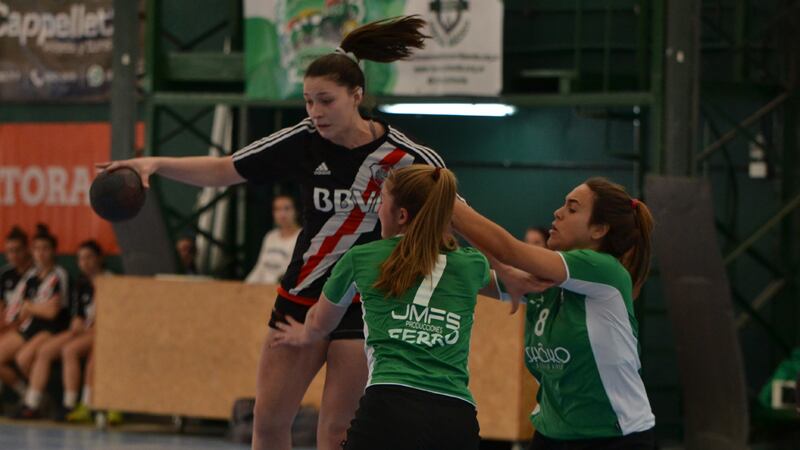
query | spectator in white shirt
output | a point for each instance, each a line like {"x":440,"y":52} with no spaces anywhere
{"x":276,"y":251}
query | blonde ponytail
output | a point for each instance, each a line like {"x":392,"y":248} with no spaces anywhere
{"x":427,"y":193}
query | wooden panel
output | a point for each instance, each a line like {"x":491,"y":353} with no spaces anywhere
{"x":179,"y":347}
{"x":502,"y":387}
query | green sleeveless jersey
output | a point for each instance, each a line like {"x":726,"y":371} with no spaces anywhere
{"x":420,"y":339}
{"x":581,"y":346}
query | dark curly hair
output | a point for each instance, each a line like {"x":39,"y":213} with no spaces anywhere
{"x":43,"y":233}
{"x":17,"y":234}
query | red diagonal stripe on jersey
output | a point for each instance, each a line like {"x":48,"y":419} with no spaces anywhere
{"x":350,"y":224}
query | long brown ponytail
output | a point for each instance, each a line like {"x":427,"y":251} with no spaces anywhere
{"x":385,"y":41}
{"x":630,"y":227}
{"x":427,"y":193}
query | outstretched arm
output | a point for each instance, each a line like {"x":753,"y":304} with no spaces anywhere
{"x":500,"y":244}
{"x":194,"y":170}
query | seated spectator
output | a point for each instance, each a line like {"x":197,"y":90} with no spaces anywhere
{"x":278,"y":245}
{"x":537,"y":236}
{"x":19,"y":260}
{"x":34,"y":309}
{"x":74,"y":343}
{"x":187,"y":253}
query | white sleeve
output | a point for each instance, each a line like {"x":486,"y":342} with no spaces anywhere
{"x":256,"y":275}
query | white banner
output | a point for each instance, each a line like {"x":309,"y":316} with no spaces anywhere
{"x":464,"y":55}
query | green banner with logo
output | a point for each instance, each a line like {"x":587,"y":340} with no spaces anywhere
{"x":463,"y":57}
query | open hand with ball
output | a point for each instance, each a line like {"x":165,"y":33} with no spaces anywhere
{"x":117,"y":194}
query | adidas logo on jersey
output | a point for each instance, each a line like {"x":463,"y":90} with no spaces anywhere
{"x":322,"y":169}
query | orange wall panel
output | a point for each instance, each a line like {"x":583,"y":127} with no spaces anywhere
{"x":46,"y":170}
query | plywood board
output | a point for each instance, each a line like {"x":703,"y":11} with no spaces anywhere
{"x":190,"y":348}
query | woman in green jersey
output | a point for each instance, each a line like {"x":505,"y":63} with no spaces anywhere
{"x":418,"y":293}
{"x":581,"y":335}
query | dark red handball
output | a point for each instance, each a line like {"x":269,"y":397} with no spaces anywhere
{"x":118,"y":195}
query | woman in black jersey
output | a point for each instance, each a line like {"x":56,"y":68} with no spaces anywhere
{"x":340,"y":158}
{"x":90,"y":262}
{"x":74,"y":342}
{"x":19,"y":260}
{"x":34,"y":308}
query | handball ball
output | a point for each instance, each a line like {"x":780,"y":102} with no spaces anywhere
{"x":117,"y":195}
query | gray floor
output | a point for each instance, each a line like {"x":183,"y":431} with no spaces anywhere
{"x":51,"y":436}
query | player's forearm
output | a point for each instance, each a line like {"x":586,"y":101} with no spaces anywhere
{"x":47,"y":310}
{"x":199,"y":170}
{"x":491,"y":239}
{"x":496,"y":242}
{"x":316,"y":327}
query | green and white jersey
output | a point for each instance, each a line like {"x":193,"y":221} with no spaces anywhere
{"x":581,"y":345}
{"x":420,"y":339}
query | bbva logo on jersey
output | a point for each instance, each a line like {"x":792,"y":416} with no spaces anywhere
{"x":344,"y":200}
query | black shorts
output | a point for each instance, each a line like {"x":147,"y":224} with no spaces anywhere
{"x":400,"y":418}
{"x":351,"y":326}
{"x":34,"y":329}
{"x":643,"y":440}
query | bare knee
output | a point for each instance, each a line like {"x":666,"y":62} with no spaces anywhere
{"x":269,"y":425}
{"x":50,"y":353}
{"x":69,"y":353}
{"x":6,"y":356}
{"x":23,"y":359}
